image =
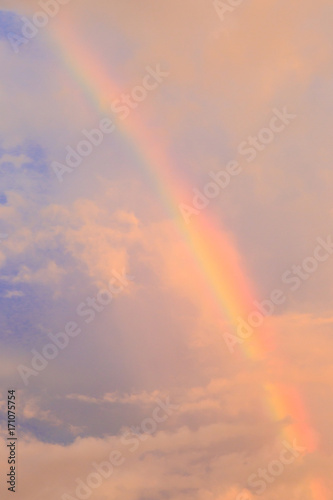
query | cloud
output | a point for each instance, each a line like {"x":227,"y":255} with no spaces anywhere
{"x":163,"y":335}
{"x":9,"y":24}
{"x":13,"y":293}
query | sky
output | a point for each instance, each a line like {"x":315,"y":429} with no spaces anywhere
{"x":166,"y":249}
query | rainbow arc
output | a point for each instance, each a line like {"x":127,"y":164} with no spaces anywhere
{"x":210,"y":250}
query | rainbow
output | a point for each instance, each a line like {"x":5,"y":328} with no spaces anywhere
{"x":211,"y":252}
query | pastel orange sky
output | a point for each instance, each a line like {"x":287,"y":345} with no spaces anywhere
{"x":166,"y":230}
